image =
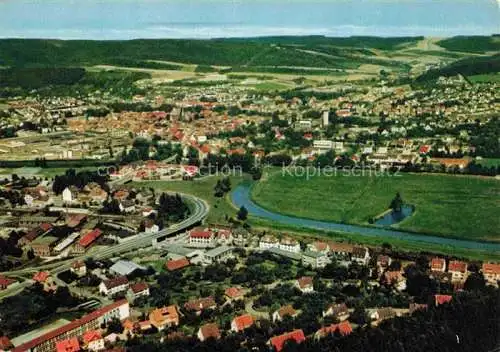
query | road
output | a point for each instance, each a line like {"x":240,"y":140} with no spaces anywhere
{"x":199,"y":210}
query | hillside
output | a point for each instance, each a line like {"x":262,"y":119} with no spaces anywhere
{"x":467,"y":67}
{"x":472,"y":44}
{"x":310,"y":51}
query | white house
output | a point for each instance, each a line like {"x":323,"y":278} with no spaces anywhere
{"x":305,"y":284}
{"x":360,"y":255}
{"x":267,"y":242}
{"x":201,"y":238}
{"x":67,"y":196}
{"x":93,"y":341}
{"x":140,"y":289}
{"x":113,"y":286}
{"x":315,"y":260}
{"x":289,"y":245}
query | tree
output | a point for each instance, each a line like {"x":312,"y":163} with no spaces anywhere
{"x":397,"y":203}
{"x":30,"y":254}
{"x":242,"y":213}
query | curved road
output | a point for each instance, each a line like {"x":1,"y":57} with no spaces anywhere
{"x":199,"y":210}
{"x":241,"y":197}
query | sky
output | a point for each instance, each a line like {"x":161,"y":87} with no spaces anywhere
{"x":129,"y":19}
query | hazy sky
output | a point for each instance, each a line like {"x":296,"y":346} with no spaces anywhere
{"x":125,"y":19}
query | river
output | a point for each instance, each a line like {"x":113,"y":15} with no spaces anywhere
{"x":241,"y":197}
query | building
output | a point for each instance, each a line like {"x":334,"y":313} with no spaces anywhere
{"x":414,"y":307}
{"x":382,"y":314}
{"x":491,"y":273}
{"x":267,"y":242}
{"x":344,"y":328}
{"x":305,"y":284}
{"x":113,"y":286}
{"x":234,"y":293}
{"x":42,"y":229}
{"x":438,"y":264}
{"x":177,"y":264}
{"x":68,"y":196}
{"x":341,"y":248}
{"x":315,"y":259}
{"x":140,"y":289}
{"x":79,"y":268}
{"x":383,"y":261}
{"x":458,"y":270}
{"x":93,"y":341}
{"x":360,"y":255}
{"x":208,"y":331}
{"x":283,"y":312}
{"x":47,"y":343}
{"x":319,"y":246}
{"x":43,"y":246}
{"x":395,"y":279}
{"x":325,"y":119}
{"x":278,"y":342}
{"x":241,"y":322}
{"x":69,"y":345}
{"x":87,"y":241}
{"x":41,"y":276}
{"x":322,"y":145}
{"x":125,"y":267}
{"x":68,"y":241}
{"x":338,"y":311}
{"x":290,"y":245}
{"x":162,"y":318}
{"x":35,"y":221}
{"x":5,"y":282}
{"x":442,"y":299}
{"x":200,"y":304}
{"x":218,"y":255}
{"x":201,"y":238}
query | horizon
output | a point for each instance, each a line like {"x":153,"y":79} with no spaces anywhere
{"x":205,"y":19}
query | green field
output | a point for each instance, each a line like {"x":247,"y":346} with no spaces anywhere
{"x":489,"y":162}
{"x":450,"y":206}
{"x":219,"y":208}
{"x":486,"y":78}
{"x":266,"y":86}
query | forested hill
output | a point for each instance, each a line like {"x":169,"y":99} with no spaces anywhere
{"x":467,"y":67}
{"x":318,"y":51}
{"x":472,"y":44}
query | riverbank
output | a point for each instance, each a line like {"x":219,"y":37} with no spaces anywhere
{"x":241,"y":197}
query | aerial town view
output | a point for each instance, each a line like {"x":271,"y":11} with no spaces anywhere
{"x":243,"y":175}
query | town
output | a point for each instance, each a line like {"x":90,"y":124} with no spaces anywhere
{"x":152,"y":205}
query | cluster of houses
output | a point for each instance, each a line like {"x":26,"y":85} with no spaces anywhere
{"x":45,"y":241}
{"x":154,"y":170}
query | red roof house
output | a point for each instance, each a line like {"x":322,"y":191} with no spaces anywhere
{"x":457,"y":266}
{"x":242,"y":322}
{"x":173,"y":265}
{"x":5,"y":344}
{"x":69,"y":345}
{"x":279,"y":341}
{"x":5,"y":282}
{"x":438,"y":264}
{"x":209,"y":331}
{"x":344,"y":328}
{"x":442,"y":299}
{"x":234,"y":293}
{"x":89,"y":238}
{"x":41,"y":276}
